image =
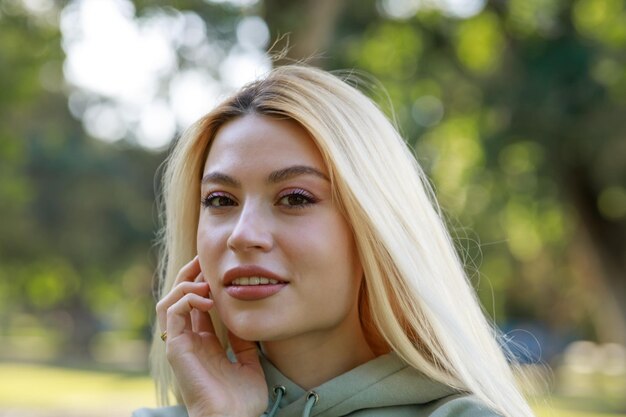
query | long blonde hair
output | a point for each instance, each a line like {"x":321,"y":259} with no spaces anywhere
{"x":416,"y":299}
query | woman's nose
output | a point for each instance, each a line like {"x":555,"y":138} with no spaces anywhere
{"x":252,"y":231}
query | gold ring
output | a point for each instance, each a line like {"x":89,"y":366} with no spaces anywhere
{"x":164,"y":336}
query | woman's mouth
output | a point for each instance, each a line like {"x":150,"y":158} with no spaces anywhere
{"x":247,"y":281}
{"x":254,"y":288}
{"x":252,"y":282}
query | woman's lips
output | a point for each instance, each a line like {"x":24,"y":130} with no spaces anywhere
{"x":252,"y":282}
{"x":254,"y":292}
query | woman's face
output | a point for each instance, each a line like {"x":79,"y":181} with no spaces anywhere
{"x":279,"y":257}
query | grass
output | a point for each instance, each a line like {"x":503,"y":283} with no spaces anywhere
{"x":46,"y":391}
{"x":556,"y":407}
{"x":61,"y":392}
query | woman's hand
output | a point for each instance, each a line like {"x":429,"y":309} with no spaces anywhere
{"x":210,"y":384}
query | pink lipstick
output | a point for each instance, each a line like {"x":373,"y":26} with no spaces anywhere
{"x":251,"y":282}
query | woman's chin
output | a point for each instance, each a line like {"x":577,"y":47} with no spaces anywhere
{"x":251,"y":331}
{"x":255,"y":325}
{"x":250,"y":335}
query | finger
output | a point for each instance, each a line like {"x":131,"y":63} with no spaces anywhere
{"x":178,"y":292}
{"x":188,"y":272}
{"x":245,"y":351}
{"x":200,"y":320}
{"x":178,"y":315}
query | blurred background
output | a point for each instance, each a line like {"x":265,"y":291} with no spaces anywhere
{"x":516,"y":109}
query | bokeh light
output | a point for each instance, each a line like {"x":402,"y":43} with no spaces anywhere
{"x":128,"y":82}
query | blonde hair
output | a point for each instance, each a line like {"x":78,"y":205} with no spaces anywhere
{"x":416,"y":299}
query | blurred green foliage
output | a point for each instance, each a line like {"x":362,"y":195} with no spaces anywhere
{"x":76,"y":215}
{"x":516,"y":113}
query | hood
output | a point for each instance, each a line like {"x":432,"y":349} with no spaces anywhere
{"x":382,"y":382}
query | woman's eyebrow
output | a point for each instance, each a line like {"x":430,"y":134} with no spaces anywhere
{"x":274,"y":177}
{"x":294,"y":171}
{"x":220,"y":178}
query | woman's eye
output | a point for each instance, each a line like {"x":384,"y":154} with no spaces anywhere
{"x":296,"y":199}
{"x":217,"y":200}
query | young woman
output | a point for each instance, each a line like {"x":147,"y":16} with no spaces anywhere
{"x":307,"y":270}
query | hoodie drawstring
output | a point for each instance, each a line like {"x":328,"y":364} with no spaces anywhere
{"x":279,"y":392}
{"x":311,"y":399}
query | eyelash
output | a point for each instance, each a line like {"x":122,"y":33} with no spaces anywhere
{"x":308,"y":198}
{"x":206,"y":201}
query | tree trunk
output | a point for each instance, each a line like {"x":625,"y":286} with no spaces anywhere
{"x":598,"y":256}
{"x":304,"y":28}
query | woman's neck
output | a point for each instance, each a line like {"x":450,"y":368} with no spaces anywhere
{"x":312,"y":359}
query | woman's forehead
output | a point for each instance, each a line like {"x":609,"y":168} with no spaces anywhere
{"x":255,"y":139}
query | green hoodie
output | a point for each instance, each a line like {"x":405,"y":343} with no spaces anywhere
{"x":385,"y":386}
